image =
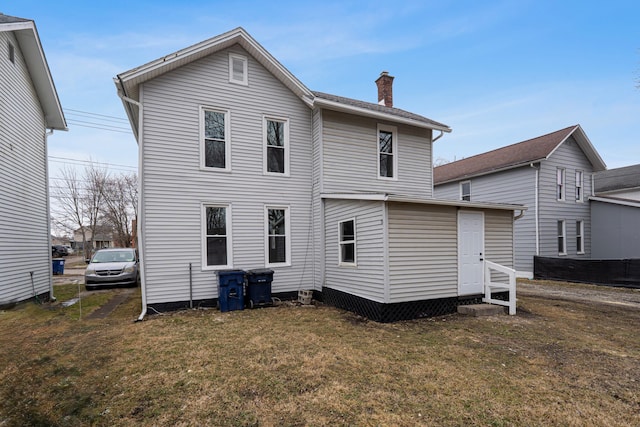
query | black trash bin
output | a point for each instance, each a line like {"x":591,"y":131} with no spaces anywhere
{"x":231,"y":290}
{"x":259,"y":287}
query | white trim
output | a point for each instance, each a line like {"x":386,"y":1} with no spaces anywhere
{"x":227,"y":138}
{"x":580,"y":250}
{"x":228,"y":225}
{"x":394,"y":150}
{"x":287,"y":237}
{"x":630,"y":203}
{"x":341,"y":243}
{"x":564,"y":237}
{"x":385,"y":253}
{"x":285,"y":147}
{"x":462,"y":192}
{"x":245,"y":69}
{"x":581,"y":186}
{"x":563,"y":185}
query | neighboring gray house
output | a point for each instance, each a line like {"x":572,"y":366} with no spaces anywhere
{"x":615,"y":214}
{"x":29,"y":108}
{"x":243,"y":167}
{"x":550,"y":174}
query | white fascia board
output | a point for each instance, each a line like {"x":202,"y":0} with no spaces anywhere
{"x":630,"y":203}
{"x":402,"y":199}
{"x":354,"y":196}
{"x":336,"y":106}
{"x":489,"y":172}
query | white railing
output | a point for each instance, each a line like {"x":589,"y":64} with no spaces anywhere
{"x":490,"y":286}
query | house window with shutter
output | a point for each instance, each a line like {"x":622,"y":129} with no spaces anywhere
{"x":238,"y":69}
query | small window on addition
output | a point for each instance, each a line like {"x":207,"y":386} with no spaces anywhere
{"x":238,"y":69}
{"x":12,"y":54}
{"x":465,"y":191}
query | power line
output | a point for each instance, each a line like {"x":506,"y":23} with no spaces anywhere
{"x":80,"y":112}
{"x":91,"y":162}
{"x":101,"y":127}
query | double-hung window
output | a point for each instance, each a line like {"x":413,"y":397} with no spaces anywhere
{"x":276,"y":146}
{"x":347,"y":242}
{"x":387,"y":152}
{"x":278,"y":236}
{"x":579,"y":237}
{"x":560,"y":180}
{"x":562,"y":238}
{"x":238,"y":69}
{"x":217,"y":236}
{"x":465,"y":190}
{"x":215,"y":141}
{"x":579,"y":181}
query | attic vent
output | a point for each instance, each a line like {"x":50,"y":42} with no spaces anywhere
{"x":12,"y":54}
{"x":238,"y":69}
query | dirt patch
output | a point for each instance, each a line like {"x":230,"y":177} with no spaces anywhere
{"x":621,"y":297}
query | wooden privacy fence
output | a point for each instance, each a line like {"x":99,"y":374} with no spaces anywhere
{"x":614,"y":272}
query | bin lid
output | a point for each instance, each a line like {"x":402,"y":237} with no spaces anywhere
{"x":260,"y":271}
{"x":229,"y":272}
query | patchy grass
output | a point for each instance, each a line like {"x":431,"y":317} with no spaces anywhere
{"x":555,"y":363}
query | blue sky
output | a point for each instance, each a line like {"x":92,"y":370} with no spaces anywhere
{"x":496,"y":72}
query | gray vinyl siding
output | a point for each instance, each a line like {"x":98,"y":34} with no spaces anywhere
{"x":350,"y":157}
{"x":24,"y":219}
{"x":175,"y":187}
{"x":615,"y":232}
{"x":367,"y":279}
{"x":514,"y":186}
{"x":568,"y":156}
{"x":423,"y":252}
{"x":318,"y":214}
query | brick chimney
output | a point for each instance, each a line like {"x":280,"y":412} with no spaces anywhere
{"x":385,"y":89}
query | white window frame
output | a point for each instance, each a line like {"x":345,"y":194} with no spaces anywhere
{"x":462,"y":195}
{"x":561,"y":184}
{"x":342,"y":243}
{"x":227,"y":139}
{"x":227,"y":206}
{"x":579,"y":186}
{"x":287,"y":230}
{"x":562,"y":236}
{"x":394,"y":150}
{"x":12,"y":52}
{"x":265,"y":147}
{"x":245,"y":69}
{"x":580,"y":237}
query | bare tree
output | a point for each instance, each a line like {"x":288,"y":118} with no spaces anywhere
{"x":121,"y":207}
{"x":79,"y":202}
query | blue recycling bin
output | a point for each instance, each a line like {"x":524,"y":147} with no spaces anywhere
{"x":259,"y":287}
{"x":231,"y":290}
{"x":58,"y":265}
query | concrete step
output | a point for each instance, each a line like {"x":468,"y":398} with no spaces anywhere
{"x":481,"y":309}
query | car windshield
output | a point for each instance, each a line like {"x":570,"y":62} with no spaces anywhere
{"x":113,"y":256}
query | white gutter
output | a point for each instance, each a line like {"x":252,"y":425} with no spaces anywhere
{"x":536,"y":208}
{"x":46,"y":174}
{"x":143,"y":287}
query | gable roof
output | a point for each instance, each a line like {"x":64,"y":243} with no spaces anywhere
{"x":29,"y":42}
{"x":617,"y":179}
{"x":516,"y":155}
{"x":128,"y":83}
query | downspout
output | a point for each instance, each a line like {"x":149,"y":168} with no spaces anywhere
{"x":140,"y":219}
{"x":438,"y":137}
{"x":536,"y":210}
{"x":46,"y":172}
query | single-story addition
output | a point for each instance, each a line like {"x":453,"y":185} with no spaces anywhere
{"x":412,"y":257}
{"x":243,"y":167}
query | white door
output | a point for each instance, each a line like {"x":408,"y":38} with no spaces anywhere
{"x":470,"y":252}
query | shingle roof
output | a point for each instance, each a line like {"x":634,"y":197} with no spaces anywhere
{"x":6,"y":19}
{"x":618,"y":179}
{"x":514,"y":155}
{"x":377,"y":107}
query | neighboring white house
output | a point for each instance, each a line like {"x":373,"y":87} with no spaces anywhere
{"x":29,"y":108}
{"x":243,"y":167}
{"x":551,"y":175}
